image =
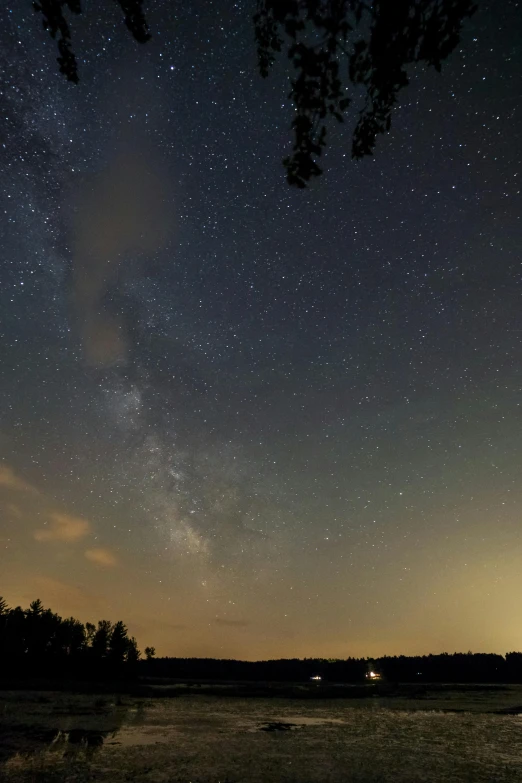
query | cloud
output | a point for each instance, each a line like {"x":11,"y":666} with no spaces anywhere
{"x":231,"y":623}
{"x":104,"y":339}
{"x":103,"y":557}
{"x":63,"y":527}
{"x":121,"y":219}
{"x":10,"y":480}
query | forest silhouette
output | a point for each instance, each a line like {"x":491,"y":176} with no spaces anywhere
{"x":36,"y":642}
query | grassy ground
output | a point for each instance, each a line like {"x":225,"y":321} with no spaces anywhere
{"x":48,"y":737}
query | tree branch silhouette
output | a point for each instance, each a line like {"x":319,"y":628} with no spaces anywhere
{"x":332,"y":45}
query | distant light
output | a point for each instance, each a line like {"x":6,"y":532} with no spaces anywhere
{"x":316,"y":677}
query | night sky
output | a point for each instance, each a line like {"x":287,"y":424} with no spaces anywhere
{"x":248,"y":420}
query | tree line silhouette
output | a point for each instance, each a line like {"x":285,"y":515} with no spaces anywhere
{"x":457,"y":667}
{"x":37,"y":642}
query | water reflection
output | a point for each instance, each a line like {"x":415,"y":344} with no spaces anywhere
{"x":63,"y":731}
{"x":130,"y":736}
{"x":89,"y":738}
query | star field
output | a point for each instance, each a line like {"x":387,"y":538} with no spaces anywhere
{"x":286,"y":423}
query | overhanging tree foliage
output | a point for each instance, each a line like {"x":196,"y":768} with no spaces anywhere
{"x":332,"y":45}
{"x":364,"y":43}
{"x":55,"y":21}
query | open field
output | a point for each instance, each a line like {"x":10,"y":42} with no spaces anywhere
{"x":471,"y":734}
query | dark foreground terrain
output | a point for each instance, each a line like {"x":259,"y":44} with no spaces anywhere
{"x":439,"y":733}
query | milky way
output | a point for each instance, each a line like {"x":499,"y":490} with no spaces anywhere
{"x":249,"y":420}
